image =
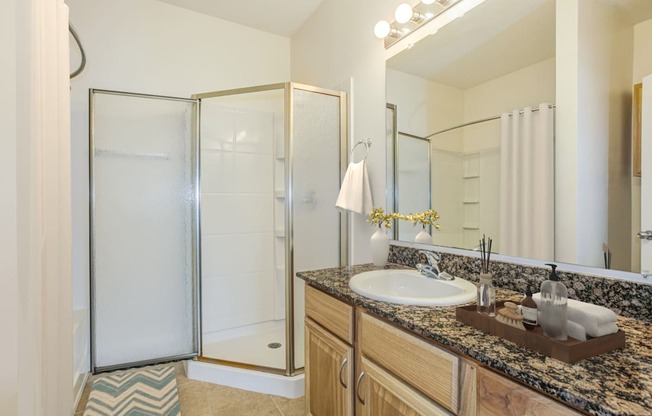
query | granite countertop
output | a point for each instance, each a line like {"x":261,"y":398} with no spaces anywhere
{"x":615,"y":383}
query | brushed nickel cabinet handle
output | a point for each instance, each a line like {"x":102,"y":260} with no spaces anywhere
{"x":342,"y":368}
{"x":644,"y":235}
{"x":357,"y":389}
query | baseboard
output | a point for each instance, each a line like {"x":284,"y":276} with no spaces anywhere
{"x":258,"y":381}
{"x":78,"y":389}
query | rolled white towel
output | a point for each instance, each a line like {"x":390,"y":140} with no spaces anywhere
{"x":576,"y":331}
{"x":602,"y":330}
{"x":588,"y":315}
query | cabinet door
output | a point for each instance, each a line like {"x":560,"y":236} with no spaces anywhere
{"x":498,"y":395}
{"x":329,"y":373}
{"x":380,"y":393}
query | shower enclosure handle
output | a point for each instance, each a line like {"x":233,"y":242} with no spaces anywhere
{"x":346,"y":360}
{"x":357,"y":389}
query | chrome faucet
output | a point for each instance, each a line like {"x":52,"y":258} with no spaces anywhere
{"x":432,"y":268}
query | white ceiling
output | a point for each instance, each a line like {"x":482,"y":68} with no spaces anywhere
{"x":282,"y":17}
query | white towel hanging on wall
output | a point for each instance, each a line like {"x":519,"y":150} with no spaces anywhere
{"x":355,"y":193}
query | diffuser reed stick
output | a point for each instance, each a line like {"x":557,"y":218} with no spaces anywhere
{"x":486,"y":290}
{"x":485,"y":254}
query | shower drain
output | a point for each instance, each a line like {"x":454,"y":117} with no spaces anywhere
{"x":274,"y":345}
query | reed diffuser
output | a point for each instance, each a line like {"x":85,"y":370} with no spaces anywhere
{"x":486,"y":290}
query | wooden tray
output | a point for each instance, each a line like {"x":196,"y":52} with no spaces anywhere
{"x":570,"y":351}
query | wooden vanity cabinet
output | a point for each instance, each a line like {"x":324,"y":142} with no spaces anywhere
{"x":497,"y":395}
{"x":328,"y":373}
{"x":359,"y":364}
{"x":378,"y":358}
{"x":329,"y":355}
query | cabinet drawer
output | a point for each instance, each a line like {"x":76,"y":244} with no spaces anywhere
{"x":429,"y":369}
{"x":332,"y":314}
{"x":498,"y":395}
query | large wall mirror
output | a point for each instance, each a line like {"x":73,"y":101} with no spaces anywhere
{"x":515,"y":121}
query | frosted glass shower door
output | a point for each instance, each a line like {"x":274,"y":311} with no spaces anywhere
{"x":143,"y":229}
{"x":318,"y":140}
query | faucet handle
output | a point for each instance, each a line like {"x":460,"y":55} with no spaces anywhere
{"x":432,"y":257}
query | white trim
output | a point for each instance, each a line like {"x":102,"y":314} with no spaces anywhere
{"x":258,"y":381}
{"x":83,"y":379}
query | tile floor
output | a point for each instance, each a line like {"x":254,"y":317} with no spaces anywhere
{"x":206,"y":399}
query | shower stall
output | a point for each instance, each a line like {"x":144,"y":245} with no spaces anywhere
{"x":202,"y":212}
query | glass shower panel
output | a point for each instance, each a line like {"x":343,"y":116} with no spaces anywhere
{"x":144,"y":203}
{"x":316,"y":141}
{"x":413,"y":182}
{"x":243,"y":227}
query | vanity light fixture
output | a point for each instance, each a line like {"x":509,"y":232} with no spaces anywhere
{"x":383,"y":29}
{"x":408,"y":17}
{"x":429,"y":15}
{"x":405,"y":13}
{"x":442,"y":2}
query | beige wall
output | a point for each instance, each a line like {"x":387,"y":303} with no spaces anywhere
{"x":594,"y":55}
{"x":336,"y":48}
{"x":8,"y":215}
{"x":642,"y":66}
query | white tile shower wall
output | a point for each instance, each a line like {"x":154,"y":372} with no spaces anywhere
{"x":279,"y":216}
{"x":237,"y":174}
{"x":237,"y":300}
{"x":447,"y":180}
{"x":217,"y":171}
{"x":490,"y":207}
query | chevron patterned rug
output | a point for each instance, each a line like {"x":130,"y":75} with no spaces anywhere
{"x":140,"y":393}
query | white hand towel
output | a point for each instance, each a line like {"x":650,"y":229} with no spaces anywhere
{"x":355,"y":193}
{"x":595,"y":319}
{"x":576,"y":331}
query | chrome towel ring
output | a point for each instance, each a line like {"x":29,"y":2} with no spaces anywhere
{"x":367,"y":145}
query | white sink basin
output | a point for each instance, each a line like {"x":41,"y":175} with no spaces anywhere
{"x":409,"y":287}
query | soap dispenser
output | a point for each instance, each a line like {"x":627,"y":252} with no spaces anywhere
{"x":554,"y":300}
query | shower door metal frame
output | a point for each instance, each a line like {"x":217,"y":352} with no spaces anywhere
{"x":195,"y":230}
{"x":289,"y":169}
{"x":288,"y":88}
{"x":395,"y":148}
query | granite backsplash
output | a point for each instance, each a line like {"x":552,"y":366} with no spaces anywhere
{"x":625,"y":298}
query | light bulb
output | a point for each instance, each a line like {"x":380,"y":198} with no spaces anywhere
{"x":403,"y":13}
{"x":382,"y":29}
